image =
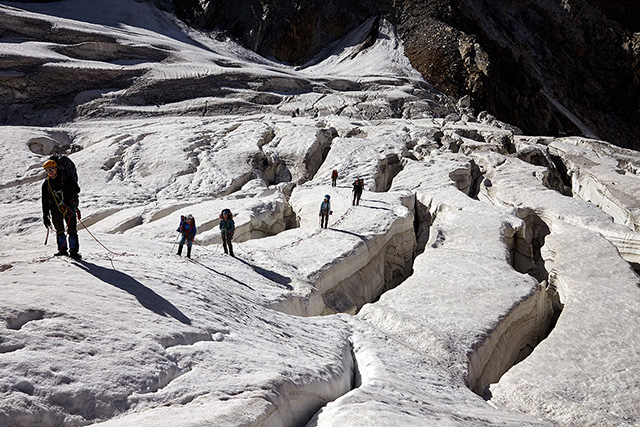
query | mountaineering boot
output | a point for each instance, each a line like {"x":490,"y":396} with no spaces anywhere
{"x":231,"y":251}
{"x":74,"y":247}
{"x":188,"y":252}
{"x":61,"y":252}
{"x":179,"y":250}
{"x":73,"y":251}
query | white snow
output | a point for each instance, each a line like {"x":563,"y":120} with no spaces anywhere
{"x":404,"y":311}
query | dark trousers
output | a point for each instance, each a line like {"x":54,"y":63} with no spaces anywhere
{"x":226,"y":243}
{"x":58,"y":221}
{"x":324,"y":219}
{"x":189,"y":243}
{"x":356,"y":198}
{"x":333,"y":181}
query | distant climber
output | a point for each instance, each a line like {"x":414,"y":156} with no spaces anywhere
{"x":325,"y":211}
{"x":60,"y":199}
{"x":358,"y":188}
{"x":334,"y":177}
{"x":188,"y":230}
{"x":227,"y":228}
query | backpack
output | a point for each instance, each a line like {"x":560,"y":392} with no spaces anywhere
{"x":334,"y":174}
{"x":66,"y":165}
{"x":183,"y":221}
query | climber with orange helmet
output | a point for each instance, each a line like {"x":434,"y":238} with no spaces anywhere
{"x":60,"y":200}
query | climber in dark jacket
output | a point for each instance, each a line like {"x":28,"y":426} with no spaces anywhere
{"x":227,"y":227}
{"x":60,"y":199}
{"x":358,"y":188}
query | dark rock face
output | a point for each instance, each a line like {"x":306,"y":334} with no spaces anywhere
{"x":287,"y":30}
{"x":549,"y":67}
{"x":553,"y":69}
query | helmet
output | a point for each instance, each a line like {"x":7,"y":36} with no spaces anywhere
{"x":326,"y":196}
{"x":49,"y":164}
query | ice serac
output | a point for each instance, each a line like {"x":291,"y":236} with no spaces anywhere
{"x":449,"y":348}
{"x":300,"y":147}
{"x":595,"y":286}
{"x":365,"y":250}
{"x":603,"y":175}
{"x":464,"y":248}
{"x":589,"y":280}
{"x":504,"y":184}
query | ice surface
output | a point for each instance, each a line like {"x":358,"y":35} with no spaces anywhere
{"x":466,"y":255}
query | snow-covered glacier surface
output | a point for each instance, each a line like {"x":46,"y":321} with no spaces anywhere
{"x":485,"y":278}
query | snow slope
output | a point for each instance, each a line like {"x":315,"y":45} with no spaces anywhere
{"x":464,"y":257}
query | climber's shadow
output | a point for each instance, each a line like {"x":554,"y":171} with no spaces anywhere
{"x":145,"y":296}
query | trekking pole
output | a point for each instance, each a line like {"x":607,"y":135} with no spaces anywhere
{"x":46,"y":239}
{"x":173,"y":248}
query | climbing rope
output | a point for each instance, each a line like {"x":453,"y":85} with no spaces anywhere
{"x":99,"y":242}
{"x":67,"y":212}
{"x":59,"y":204}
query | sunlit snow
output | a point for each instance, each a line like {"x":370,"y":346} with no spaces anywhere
{"x":470,"y":244}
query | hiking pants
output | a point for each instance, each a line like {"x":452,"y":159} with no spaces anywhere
{"x":189,"y":244}
{"x":226,"y":243}
{"x":58,"y":221}
{"x":356,"y":198}
{"x":324,"y":219}
{"x":333,"y":181}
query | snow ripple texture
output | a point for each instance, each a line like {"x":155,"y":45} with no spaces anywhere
{"x":485,"y":277}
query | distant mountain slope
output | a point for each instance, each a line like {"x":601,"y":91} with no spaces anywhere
{"x":548,"y":67}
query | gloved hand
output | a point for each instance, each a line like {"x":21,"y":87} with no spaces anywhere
{"x":78,"y":214}
{"x":47,"y":221}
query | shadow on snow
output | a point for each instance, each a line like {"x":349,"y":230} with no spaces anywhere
{"x":145,"y":296}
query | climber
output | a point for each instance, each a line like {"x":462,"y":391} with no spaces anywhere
{"x":334,"y":177}
{"x":188,"y":230}
{"x":60,"y":199}
{"x":227,"y":227}
{"x":358,"y":187}
{"x":325,"y":211}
